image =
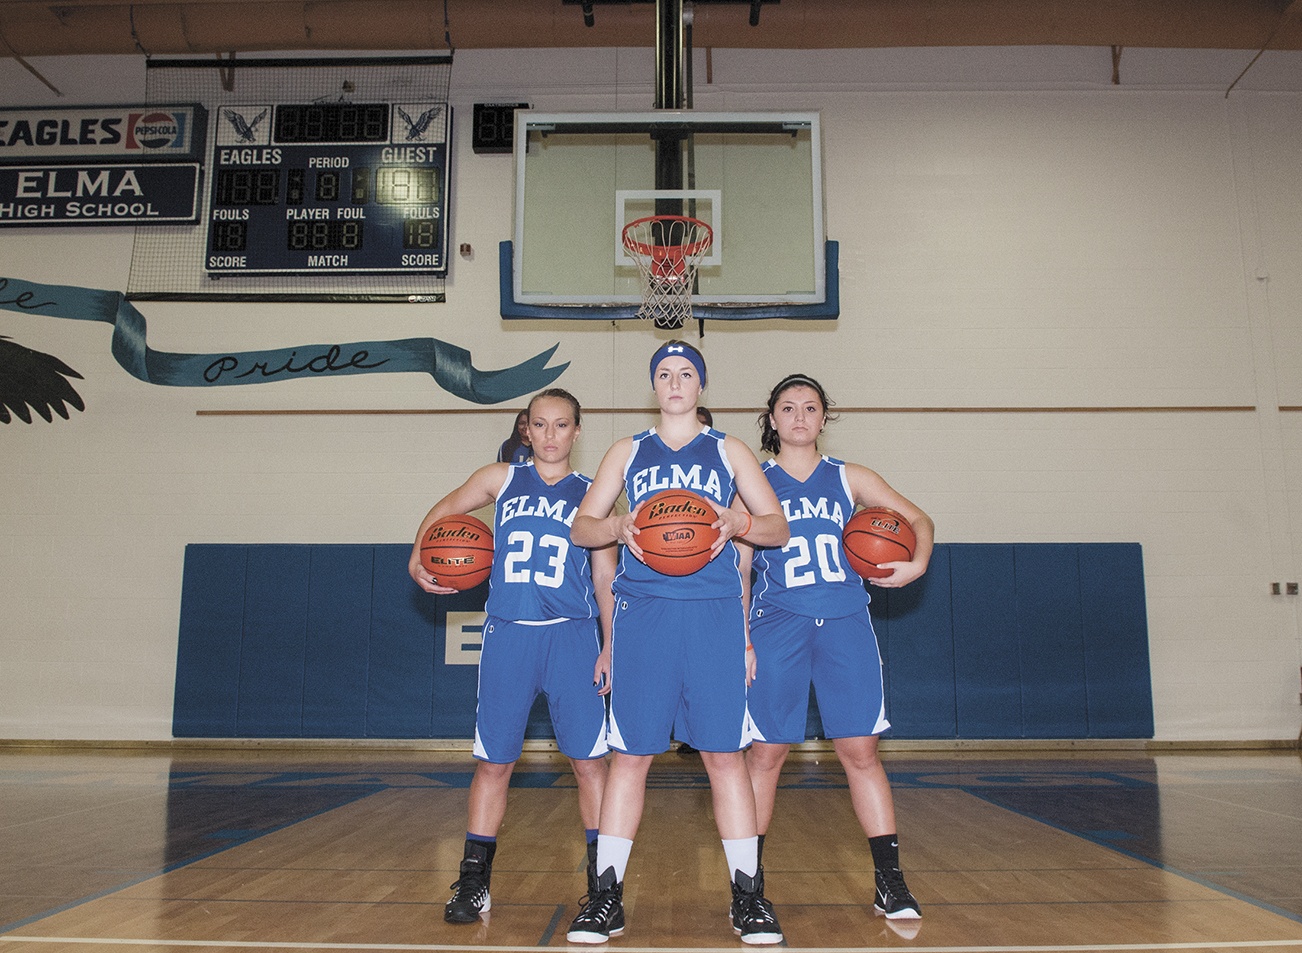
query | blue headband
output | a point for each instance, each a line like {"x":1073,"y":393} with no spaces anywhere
{"x":677,"y":350}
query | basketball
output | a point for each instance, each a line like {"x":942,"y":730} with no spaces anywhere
{"x":675,"y":532}
{"x":874,"y":536}
{"x":458,"y":551}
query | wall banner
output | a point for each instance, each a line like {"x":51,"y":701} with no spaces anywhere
{"x":449,"y":365}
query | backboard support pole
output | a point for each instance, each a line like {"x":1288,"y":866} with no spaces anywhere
{"x":669,"y":55}
{"x":669,"y":95}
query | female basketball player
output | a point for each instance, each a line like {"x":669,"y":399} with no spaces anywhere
{"x":545,"y":599}
{"x":515,"y":448}
{"x":809,"y":621}
{"x":679,"y":652}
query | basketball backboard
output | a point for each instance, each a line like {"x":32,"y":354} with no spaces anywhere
{"x":754,"y":178}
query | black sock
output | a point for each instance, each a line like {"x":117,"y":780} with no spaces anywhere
{"x":886,"y":851}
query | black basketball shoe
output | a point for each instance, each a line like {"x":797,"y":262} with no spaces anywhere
{"x":752,"y":916}
{"x":893,"y":898}
{"x":470,"y":891}
{"x":602,"y":915}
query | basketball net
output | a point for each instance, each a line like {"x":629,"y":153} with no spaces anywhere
{"x":668,"y":250}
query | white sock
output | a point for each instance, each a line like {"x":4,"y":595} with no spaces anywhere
{"x":613,"y":851}
{"x":743,"y":855}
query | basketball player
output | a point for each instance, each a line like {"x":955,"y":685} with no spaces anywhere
{"x":515,"y":448}
{"x":704,"y":416}
{"x":546,"y":597}
{"x":679,"y":654}
{"x":809,"y":621}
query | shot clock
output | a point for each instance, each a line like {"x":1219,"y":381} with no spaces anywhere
{"x":332,"y":188}
{"x":492,"y":128}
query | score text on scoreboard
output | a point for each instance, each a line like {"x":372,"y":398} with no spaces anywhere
{"x":330,"y":188}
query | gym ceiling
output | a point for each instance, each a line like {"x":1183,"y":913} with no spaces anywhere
{"x":33,"y":28}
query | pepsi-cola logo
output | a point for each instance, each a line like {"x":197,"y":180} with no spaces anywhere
{"x":153,"y":130}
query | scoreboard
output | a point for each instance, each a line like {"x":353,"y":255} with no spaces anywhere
{"x":328,"y":188}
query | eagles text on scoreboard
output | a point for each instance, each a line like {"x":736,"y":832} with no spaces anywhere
{"x":331,"y":187}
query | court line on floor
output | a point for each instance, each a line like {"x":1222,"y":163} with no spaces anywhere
{"x":463,"y":948}
{"x":181,"y":864}
{"x":1111,"y":845}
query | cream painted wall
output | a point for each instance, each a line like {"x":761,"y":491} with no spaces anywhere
{"x":1017,"y":237}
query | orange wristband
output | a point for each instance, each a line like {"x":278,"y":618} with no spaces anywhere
{"x":749,"y":523}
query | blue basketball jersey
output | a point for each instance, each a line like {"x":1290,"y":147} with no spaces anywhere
{"x":538,"y":574}
{"x":702,"y":467}
{"x":809,"y":575}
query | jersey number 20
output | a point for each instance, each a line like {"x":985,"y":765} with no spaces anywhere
{"x":828,"y":549}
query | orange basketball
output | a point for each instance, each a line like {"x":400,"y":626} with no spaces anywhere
{"x":675,"y":532}
{"x":458,"y":551}
{"x":874,"y":536}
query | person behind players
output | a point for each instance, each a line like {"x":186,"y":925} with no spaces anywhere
{"x":679,"y":657}
{"x":515,"y":448}
{"x":809,"y":622}
{"x":549,"y":602}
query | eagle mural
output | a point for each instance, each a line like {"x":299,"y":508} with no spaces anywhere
{"x":30,"y":380}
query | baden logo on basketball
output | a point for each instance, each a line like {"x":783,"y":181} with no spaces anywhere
{"x":679,"y":505}
{"x":440,"y":533}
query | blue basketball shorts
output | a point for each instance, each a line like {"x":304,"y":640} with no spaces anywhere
{"x":841,"y":659}
{"x":519,"y":661}
{"x":678,"y":668}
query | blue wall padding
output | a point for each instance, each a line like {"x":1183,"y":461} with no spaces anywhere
{"x":987,"y":663}
{"x":1118,"y":680}
{"x":208,"y":651}
{"x":337,"y":667}
{"x":400,"y":676}
{"x":458,"y":685}
{"x":915,"y":632}
{"x":273,"y":643}
{"x":1050,"y":641}
{"x":997,"y":640}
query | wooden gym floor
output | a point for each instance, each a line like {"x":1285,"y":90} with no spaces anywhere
{"x":354,"y":850}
